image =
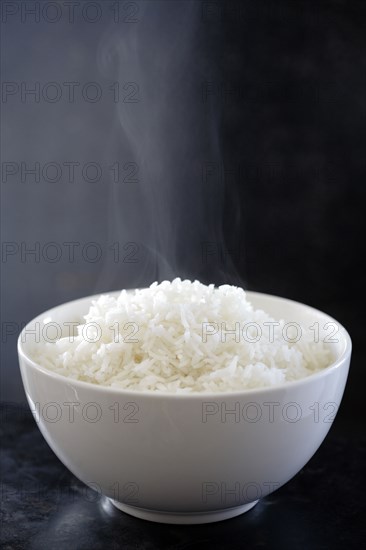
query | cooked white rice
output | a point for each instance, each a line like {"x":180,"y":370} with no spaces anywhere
{"x":173,"y":349}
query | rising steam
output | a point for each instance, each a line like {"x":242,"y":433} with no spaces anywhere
{"x":174,"y":212}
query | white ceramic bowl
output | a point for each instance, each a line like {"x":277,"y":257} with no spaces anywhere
{"x":185,"y":459}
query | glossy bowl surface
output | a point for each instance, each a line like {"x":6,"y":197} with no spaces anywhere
{"x":185,"y":458}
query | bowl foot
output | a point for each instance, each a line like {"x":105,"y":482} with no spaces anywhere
{"x":183,"y":518}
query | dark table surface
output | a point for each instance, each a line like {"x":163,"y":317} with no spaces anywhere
{"x":45,"y":507}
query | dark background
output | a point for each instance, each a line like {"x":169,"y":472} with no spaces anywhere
{"x":289,"y":93}
{"x":301,"y":138}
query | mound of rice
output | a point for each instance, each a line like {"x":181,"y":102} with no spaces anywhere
{"x":158,"y":339}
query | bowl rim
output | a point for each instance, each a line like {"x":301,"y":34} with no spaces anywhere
{"x":318,"y":375}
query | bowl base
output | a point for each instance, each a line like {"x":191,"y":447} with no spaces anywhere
{"x":183,"y":518}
